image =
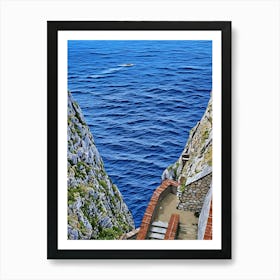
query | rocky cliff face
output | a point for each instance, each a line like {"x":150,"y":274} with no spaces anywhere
{"x":194,"y":167}
{"x":96,"y":209}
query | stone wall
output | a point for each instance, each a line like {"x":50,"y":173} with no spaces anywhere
{"x":192,"y":196}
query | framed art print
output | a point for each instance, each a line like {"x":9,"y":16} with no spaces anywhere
{"x":139,"y":140}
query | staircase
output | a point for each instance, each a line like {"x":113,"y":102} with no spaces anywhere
{"x":158,"y":230}
{"x":187,"y":232}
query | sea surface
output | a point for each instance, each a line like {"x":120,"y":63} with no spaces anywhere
{"x":140,"y":100}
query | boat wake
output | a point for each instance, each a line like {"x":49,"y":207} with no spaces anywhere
{"x":103,"y":73}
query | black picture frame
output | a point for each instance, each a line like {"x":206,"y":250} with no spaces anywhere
{"x":53,"y":27}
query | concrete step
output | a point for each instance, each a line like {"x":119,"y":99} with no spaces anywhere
{"x":158,"y":236}
{"x":188,"y":229}
{"x":158,"y":230}
{"x":160,"y":224}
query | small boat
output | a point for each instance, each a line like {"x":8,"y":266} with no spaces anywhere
{"x":127,"y":65}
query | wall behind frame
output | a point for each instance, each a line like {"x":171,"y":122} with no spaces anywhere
{"x":255,"y":139}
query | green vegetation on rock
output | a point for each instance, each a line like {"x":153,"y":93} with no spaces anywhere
{"x":199,"y":149}
{"x":110,"y":233}
{"x":96,"y":209}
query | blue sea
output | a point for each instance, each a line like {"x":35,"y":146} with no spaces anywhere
{"x":140,"y":100}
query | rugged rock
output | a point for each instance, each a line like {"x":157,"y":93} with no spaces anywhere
{"x":96,"y":209}
{"x":194,"y":167}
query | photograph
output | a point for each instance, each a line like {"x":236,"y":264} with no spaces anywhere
{"x":139,"y":139}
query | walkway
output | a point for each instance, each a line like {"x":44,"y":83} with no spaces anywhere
{"x":147,"y":230}
{"x":188,"y":222}
{"x":162,"y":220}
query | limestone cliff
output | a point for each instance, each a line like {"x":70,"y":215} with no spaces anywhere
{"x":96,"y":209}
{"x":193,"y":169}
